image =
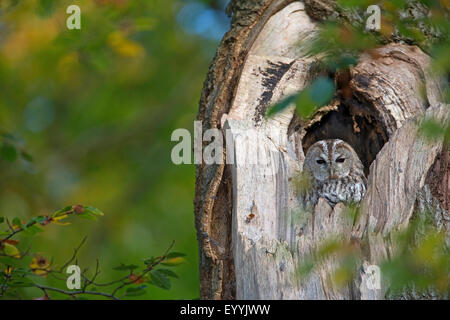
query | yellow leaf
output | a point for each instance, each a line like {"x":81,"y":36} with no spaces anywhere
{"x":124,"y":46}
{"x":445,"y":4}
{"x":11,"y":250}
{"x":61,"y":217}
{"x":62,"y":223}
{"x":9,"y":270}
{"x":57,"y":220}
{"x":40,"y":266}
{"x":174,"y":261}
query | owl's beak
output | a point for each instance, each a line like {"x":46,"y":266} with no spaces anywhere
{"x":333,"y":174}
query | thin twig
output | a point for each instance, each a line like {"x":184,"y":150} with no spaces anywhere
{"x":75,"y":293}
{"x":147,"y":270}
{"x":32,"y":223}
{"x":74,"y":256}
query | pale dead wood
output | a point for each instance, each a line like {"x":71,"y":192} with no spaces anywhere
{"x":255,"y":216}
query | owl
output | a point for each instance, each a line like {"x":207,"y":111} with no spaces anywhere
{"x":335,"y":172}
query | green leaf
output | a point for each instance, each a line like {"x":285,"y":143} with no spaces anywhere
{"x":31,"y":231}
{"x":281,"y":105}
{"x":317,"y":94}
{"x":87,"y":215}
{"x":68,"y":208}
{"x":305,"y":268}
{"x":159,"y":279}
{"x":150,"y":261}
{"x":93,"y":210}
{"x":173,"y":259}
{"x":17,"y":221}
{"x":322,"y":91}
{"x":168,"y":273}
{"x":38,"y":219}
{"x":135,"y":291}
{"x":2,"y":219}
{"x":175,"y":255}
{"x":8,"y":261}
{"x":433,"y":129}
{"x":8,"y":152}
{"x":172,"y":262}
{"x":124,"y":267}
{"x":11,"y":250}
{"x":342,"y":62}
{"x":23,"y":283}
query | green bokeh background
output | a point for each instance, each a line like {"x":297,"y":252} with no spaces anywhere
{"x":95,"y":108}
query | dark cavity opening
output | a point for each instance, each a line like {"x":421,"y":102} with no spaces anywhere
{"x":356,"y":125}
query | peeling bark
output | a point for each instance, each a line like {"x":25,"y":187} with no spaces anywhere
{"x":216,"y":269}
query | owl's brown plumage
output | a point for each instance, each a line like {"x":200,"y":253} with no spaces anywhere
{"x":336,"y":172}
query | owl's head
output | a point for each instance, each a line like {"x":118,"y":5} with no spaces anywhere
{"x":330,"y":159}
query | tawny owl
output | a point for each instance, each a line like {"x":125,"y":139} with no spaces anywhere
{"x":336,"y":173}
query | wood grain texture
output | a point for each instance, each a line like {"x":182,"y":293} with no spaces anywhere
{"x":212,"y":203}
{"x":252,"y":232}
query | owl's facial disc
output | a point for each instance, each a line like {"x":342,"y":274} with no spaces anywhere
{"x":341,"y":164}
{"x":320,"y":161}
{"x":319,"y":165}
{"x":329,"y":160}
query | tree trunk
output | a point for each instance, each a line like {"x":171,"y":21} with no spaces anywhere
{"x":252,"y":232}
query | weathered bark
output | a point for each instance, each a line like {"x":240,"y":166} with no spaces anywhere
{"x":252,"y":232}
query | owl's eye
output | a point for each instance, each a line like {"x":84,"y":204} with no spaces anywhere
{"x":320,"y":161}
{"x":340,"y":160}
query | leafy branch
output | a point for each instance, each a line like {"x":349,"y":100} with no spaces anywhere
{"x":13,"y":277}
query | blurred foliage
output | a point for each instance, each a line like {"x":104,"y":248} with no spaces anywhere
{"x":433,"y":129}
{"x":96,"y":107}
{"x":422,"y":263}
{"x":16,"y":272}
{"x":319,"y":93}
{"x":417,"y":268}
